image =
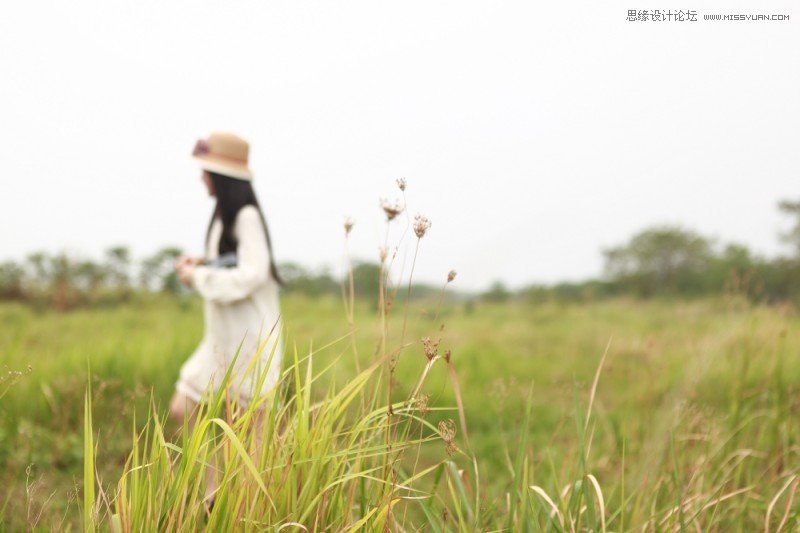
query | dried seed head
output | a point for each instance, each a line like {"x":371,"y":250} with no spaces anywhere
{"x":382,"y":253}
{"x":447,"y":428}
{"x":401,"y":182}
{"x":422,"y":404}
{"x":451,"y":276}
{"x":392,"y":209}
{"x":447,"y":356}
{"x":421,"y":225}
{"x":430,"y":348}
{"x":348,"y":225}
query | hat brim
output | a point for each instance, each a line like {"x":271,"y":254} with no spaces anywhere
{"x":224,"y":167}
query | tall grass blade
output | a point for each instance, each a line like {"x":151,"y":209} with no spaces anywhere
{"x":88,"y":462}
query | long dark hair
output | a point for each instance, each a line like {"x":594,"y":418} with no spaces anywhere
{"x":232,"y":195}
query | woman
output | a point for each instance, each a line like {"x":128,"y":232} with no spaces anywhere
{"x":240,"y":293}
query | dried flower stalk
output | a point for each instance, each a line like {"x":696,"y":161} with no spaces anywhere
{"x":392,"y":209}
{"x":421,"y":225}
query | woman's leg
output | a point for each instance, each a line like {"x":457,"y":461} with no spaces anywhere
{"x":259,"y":419}
{"x":181,"y":407}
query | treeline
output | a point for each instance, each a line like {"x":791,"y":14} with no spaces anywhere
{"x":660,"y":261}
{"x":674,"y":261}
{"x":65,"y":282}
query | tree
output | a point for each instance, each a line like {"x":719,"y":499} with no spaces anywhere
{"x":497,"y":292}
{"x":62,"y":291}
{"x":37,"y":261}
{"x":118,"y":262}
{"x":157,"y":271}
{"x":299,"y":279}
{"x":38,"y":281}
{"x":792,"y":237}
{"x":661,"y":259}
{"x":366,"y":278}
{"x":11,"y":281}
{"x":91,"y":278}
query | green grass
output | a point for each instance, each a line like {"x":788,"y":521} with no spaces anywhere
{"x":694,"y":422}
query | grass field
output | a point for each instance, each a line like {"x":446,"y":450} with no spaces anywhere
{"x":695,"y":420}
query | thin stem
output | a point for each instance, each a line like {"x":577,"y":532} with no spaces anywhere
{"x":408,"y":293}
{"x":439,"y":304}
{"x":348,"y":296}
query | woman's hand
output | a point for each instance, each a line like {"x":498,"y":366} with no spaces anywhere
{"x":184,"y":260}
{"x":184,"y":266}
{"x":185,"y":273}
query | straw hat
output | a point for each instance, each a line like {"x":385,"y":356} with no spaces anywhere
{"x":224,"y":153}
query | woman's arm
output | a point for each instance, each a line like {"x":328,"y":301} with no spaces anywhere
{"x":185,"y":260}
{"x":225,"y":285}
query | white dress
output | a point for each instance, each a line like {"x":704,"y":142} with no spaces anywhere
{"x":241,"y":307}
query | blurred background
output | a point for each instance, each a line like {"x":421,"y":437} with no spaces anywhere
{"x":597,"y":183}
{"x":533,"y":136}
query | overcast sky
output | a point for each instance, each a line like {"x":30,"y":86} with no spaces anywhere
{"x":532,"y":134}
